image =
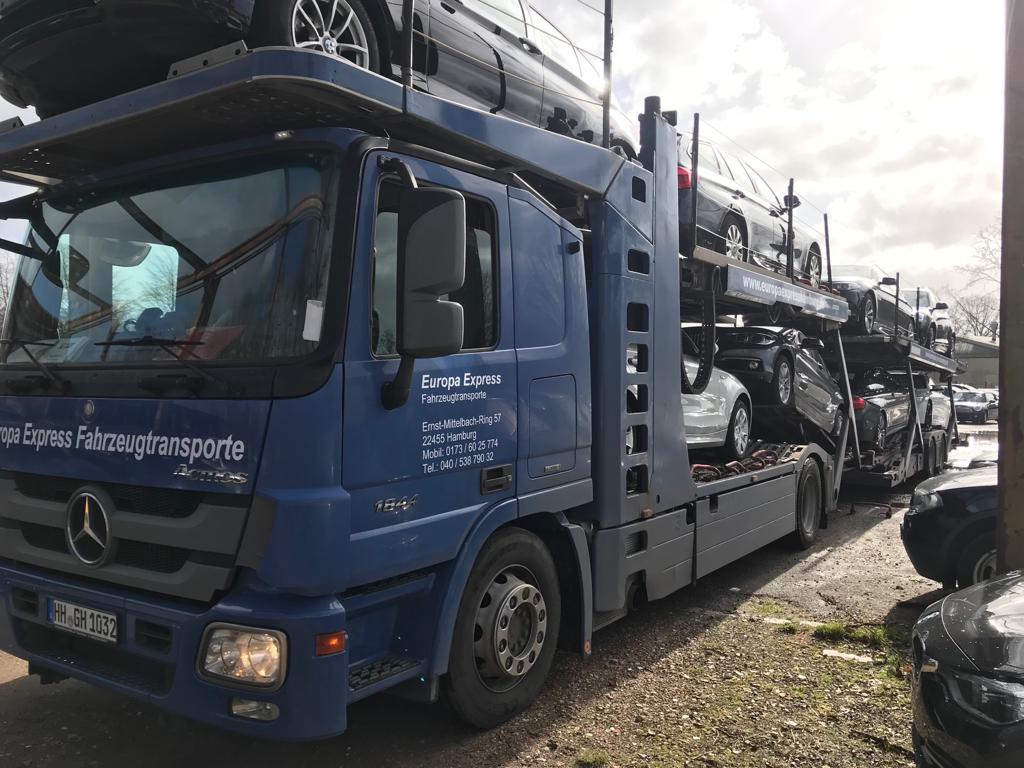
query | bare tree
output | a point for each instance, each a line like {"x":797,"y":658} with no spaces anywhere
{"x":975,"y":315}
{"x":982,"y":269}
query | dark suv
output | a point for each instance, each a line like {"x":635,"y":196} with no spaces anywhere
{"x":501,"y":56}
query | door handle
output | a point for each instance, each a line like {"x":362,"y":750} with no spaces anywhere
{"x":495,"y":479}
{"x":529,"y":45}
{"x":739,"y":194}
{"x":448,"y":8}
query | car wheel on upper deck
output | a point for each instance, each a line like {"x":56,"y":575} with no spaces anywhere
{"x":506,"y":631}
{"x":734,"y":242}
{"x":868,"y":313}
{"x":814,"y":265}
{"x":341,"y":28}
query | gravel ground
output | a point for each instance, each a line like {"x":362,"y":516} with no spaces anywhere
{"x":708,"y":677}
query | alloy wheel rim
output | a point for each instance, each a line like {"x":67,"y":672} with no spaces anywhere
{"x":882,"y":427}
{"x":985,"y":568}
{"x":869,"y":313}
{"x":510,"y":629}
{"x":785,"y":382}
{"x":332,"y":27}
{"x":814,"y":268}
{"x":741,"y":431}
{"x":734,"y":242}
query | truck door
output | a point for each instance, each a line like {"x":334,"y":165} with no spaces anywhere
{"x":422,"y":474}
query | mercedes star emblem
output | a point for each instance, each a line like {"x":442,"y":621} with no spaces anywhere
{"x":88,"y":529}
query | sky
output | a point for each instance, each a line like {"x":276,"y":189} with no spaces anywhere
{"x":888,"y":113}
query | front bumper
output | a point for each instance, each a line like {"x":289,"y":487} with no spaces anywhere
{"x":156,"y":656}
{"x":926,"y":541}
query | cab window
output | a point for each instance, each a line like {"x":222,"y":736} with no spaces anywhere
{"x":478,"y":295}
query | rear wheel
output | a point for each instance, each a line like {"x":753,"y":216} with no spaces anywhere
{"x":737,"y":440}
{"x":814,"y":265}
{"x":734,"y":239}
{"x":808,"y":499}
{"x":506,"y":630}
{"x":977,"y":561}
{"x":341,"y":28}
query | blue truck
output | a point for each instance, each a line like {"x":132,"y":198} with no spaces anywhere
{"x":316,"y":386}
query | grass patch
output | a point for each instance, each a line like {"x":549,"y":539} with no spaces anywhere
{"x":832,"y":631}
{"x":770,"y":608}
{"x":874,"y":637}
{"x":789,"y":628}
{"x":592,"y":758}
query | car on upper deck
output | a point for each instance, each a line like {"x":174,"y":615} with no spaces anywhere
{"x":739,"y":214}
{"x":875,"y":307}
{"x":501,"y":56}
{"x":933,"y":325}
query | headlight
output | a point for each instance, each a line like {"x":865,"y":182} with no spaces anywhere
{"x":993,"y":701}
{"x":922,"y":501}
{"x":243,"y":655}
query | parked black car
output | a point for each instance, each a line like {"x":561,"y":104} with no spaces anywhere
{"x":738,"y":212}
{"x":949,"y":531}
{"x":783,"y":367}
{"x":874,"y":305}
{"x":881,"y":406}
{"x":975,"y":407}
{"x":501,"y":56}
{"x":968,"y":678}
{"x":933,"y":325}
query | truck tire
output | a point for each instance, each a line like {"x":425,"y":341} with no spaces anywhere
{"x":343,"y":29}
{"x":808,"y":504}
{"x":506,"y":631}
{"x":977,"y":561}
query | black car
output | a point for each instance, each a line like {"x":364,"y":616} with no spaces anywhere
{"x":501,"y":56}
{"x":738,"y":212}
{"x":874,"y":305}
{"x":783,"y":367}
{"x":881,"y":406}
{"x":949,"y":531}
{"x":933,"y":324}
{"x":975,"y":407}
{"x":968,"y":678}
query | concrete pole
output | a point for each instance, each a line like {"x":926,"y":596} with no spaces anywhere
{"x":1010,"y":534}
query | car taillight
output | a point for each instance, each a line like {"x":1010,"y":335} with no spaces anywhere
{"x":859,"y":403}
{"x":685,"y":181}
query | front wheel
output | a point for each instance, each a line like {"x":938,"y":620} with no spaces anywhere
{"x":808,"y":499}
{"x":977,"y":561}
{"x":734,"y":239}
{"x":814,"y":266}
{"x":737,"y":440}
{"x":868,"y":314}
{"x":340,"y":28}
{"x":506,"y":631}
{"x":783,"y":381}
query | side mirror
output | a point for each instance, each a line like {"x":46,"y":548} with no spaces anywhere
{"x":791,"y":202}
{"x":888,"y":281}
{"x":811,"y":342}
{"x":431,"y":265}
{"x":942,"y":305}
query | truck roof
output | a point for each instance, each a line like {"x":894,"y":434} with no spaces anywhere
{"x":240,"y":94}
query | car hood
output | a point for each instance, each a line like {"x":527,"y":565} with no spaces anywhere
{"x":985,"y":477}
{"x":986,"y":622}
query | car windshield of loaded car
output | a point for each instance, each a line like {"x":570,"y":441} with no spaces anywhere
{"x":862,"y":271}
{"x":970,"y":397}
{"x":223,"y":263}
{"x":911,"y":297}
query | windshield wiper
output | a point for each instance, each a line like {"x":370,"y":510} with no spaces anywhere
{"x":31,"y":382}
{"x":168,"y":345}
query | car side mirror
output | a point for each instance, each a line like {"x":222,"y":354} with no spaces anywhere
{"x":431,"y":265}
{"x":942,"y":305}
{"x":888,"y":281}
{"x":791,"y":202}
{"x":811,"y":342}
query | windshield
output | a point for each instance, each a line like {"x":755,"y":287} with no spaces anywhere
{"x":910,"y":296}
{"x":226,"y":262}
{"x":969,"y":397}
{"x":855,"y":270}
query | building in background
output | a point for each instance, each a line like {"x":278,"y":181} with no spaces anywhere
{"x":981,"y":356}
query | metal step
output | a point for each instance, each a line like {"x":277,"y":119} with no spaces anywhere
{"x":375,"y":671}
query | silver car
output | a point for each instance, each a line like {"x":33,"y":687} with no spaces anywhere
{"x":720,"y":416}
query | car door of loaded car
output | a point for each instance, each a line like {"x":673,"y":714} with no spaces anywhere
{"x":763,"y":229}
{"x":482,"y":59}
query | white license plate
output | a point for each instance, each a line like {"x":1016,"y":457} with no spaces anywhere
{"x":82,"y":621}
